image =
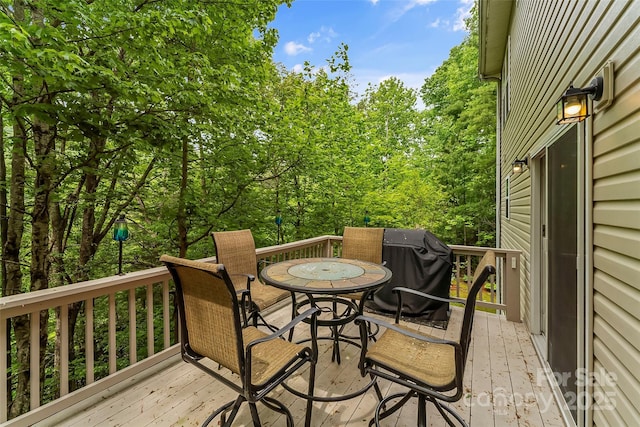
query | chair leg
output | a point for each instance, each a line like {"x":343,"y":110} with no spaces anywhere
{"x":293,"y":314}
{"x":264,"y":322}
{"x":256,"y":319}
{"x":372,"y":332}
{"x":422,"y":411}
{"x":376,"y":387}
{"x":234,"y":404}
{"x":254,"y":415}
{"x":278,"y":406}
{"x":442,"y":410}
{"x":382,"y":415}
{"x":312,"y":380}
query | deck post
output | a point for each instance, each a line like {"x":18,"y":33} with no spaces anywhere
{"x":511,"y":272}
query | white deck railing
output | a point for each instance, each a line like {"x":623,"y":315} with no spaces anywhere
{"x":154,"y":285}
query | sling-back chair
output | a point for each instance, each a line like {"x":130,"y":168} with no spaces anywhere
{"x":211,"y":327}
{"x":431,"y":369}
{"x":237,"y":251}
{"x":365,"y":244}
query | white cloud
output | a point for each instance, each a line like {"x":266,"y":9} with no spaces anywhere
{"x":398,"y":13}
{"x":313,"y":37}
{"x":298,"y":68}
{"x":462,"y":13}
{"x":374,"y":2}
{"x":325,"y":34}
{"x":293,"y":48}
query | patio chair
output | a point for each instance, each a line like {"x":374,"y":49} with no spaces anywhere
{"x":237,"y":251}
{"x":365,"y":244}
{"x":211,"y":327}
{"x":431,"y":369}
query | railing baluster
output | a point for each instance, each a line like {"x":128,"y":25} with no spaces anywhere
{"x":112,"y":333}
{"x":458,"y":266}
{"x":6,"y":348}
{"x":88,"y":337}
{"x":64,"y":350}
{"x":166,"y":314}
{"x":150,"y":330}
{"x":469,"y":275}
{"x":133,"y":345}
{"x":34,"y":359}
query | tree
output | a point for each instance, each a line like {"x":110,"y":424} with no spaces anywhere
{"x":97,"y":90}
{"x":459,"y":136}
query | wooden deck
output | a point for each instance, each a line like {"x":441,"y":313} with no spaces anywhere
{"x":505,"y":386}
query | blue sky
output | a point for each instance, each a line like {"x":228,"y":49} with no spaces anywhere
{"x":408,"y":39}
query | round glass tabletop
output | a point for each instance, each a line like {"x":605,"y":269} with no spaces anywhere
{"x":325,"y":275}
{"x":326,"y":270}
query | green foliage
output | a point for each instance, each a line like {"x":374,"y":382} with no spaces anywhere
{"x":174,"y":114}
{"x":460,"y":144}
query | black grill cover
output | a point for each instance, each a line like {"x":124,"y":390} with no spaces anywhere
{"x":420,"y":261}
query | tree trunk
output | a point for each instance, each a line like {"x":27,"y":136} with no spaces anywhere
{"x":40,"y":261}
{"x":3,"y":237}
{"x":19,"y":402}
{"x":88,"y":243}
{"x":182,"y":214}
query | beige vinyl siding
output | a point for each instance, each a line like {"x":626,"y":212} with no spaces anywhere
{"x":517,"y":232}
{"x":616,"y":215}
{"x":552,"y":44}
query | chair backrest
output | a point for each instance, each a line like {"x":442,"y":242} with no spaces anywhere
{"x":209,"y":312}
{"x":485,"y":268}
{"x":363,"y":243}
{"x":237,"y":251}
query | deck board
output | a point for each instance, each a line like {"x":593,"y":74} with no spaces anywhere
{"x":501,"y":363}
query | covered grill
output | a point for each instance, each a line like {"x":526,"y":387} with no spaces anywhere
{"x":418,"y":260}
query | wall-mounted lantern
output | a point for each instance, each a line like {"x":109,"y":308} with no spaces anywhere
{"x":120,"y":234}
{"x":367,"y":219}
{"x":518,"y":166}
{"x":573,"y":105}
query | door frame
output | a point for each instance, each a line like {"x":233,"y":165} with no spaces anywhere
{"x":539,"y":264}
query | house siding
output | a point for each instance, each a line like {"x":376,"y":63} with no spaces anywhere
{"x":551,"y":44}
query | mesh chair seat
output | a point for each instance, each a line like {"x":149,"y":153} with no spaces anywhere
{"x":264,"y":296}
{"x":270,"y":357}
{"x":426,"y":362}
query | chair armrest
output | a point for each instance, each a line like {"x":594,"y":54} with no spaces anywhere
{"x":264,"y":262}
{"x":360,"y":319}
{"x":312,"y":312}
{"x":399,"y":290}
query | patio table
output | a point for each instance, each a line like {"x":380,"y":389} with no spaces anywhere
{"x":322,"y":280}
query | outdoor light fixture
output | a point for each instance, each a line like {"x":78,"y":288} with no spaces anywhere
{"x":120,"y":234}
{"x":279,"y":225}
{"x":519,"y":165}
{"x":573,"y":106}
{"x":367,"y":218}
